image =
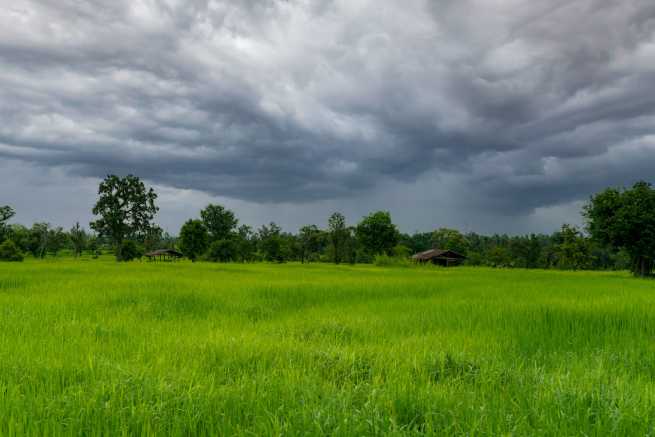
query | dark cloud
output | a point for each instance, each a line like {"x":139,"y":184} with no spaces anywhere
{"x":521,"y":105}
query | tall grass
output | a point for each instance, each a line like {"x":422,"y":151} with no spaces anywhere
{"x":95,"y":347}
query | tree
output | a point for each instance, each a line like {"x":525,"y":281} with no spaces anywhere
{"x":223,"y":251}
{"x":418,"y":242}
{"x":310,"y":240}
{"x":6,"y":213}
{"x":38,"y":239}
{"x":220,"y":222}
{"x":193,"y":239}
{"x":126,"y":209}
{"x":625,"y":219}
{"x":93,"y":245}
{"x":245,"y":242}
{"x":377,"y":233}
{"x":498,"y":257}
{"x":272,"y":244}
{"x":78,"y":238}
{"x":153,"y":238}
{"x":130,"y":250}
{"x":57,"y":240}
{"x":572,"y":249}
{"x":450,"y":239}
{"x":20,"y":235}
{"x":338,"y":235}
{"x":10,"y":252}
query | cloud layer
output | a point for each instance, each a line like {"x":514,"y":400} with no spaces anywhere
{"x":513,"y":105}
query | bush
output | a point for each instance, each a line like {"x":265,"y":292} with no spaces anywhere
{"x":130,"y":251}
{"x":402,"y":251}
{"x":392,"y":261}
{"x":222,"y":251}
{"x":10,"y":252}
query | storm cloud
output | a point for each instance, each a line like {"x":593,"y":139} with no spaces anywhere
{"x":497,"y":107}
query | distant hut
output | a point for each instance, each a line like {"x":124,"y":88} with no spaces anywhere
{"x":446,"y":258}
{"x":164,"y":255}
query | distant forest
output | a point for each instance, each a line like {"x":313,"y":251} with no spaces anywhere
{"x":619,"y":235}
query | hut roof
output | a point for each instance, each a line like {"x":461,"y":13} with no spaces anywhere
{"x":165,"y":252}
{"x":438,"y":253}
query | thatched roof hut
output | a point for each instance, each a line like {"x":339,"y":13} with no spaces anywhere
{"x":446,"y":258}
{"x":164,"y":255}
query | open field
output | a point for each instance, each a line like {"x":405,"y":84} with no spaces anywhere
{"x":92,"y":347}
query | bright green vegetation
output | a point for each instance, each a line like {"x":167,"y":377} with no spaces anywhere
{"x":94,"y":346}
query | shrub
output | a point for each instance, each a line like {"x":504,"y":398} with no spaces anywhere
{"x":130,"y":251}
{"x":392,"y":261}
{"x":402,"y":251}
{"x":222,"y":251}
{"x":10,"y":252}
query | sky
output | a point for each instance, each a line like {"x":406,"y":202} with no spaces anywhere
{"x":482,"y":115}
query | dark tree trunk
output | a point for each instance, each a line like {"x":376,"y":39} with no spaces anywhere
{"x":642,"y":266}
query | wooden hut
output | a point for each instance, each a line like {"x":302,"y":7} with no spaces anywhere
{"x":446,"y":258}
{"x":164,"y":255}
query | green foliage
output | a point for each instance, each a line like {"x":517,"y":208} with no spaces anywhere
{"x":153,"y":238}
{"x":385,"y":260}
{"x":338,"y":235}
{"x":6,"y":213}
{"x":38,"y":239}
{"x":223,"y":251}
{"x":10,"y":252}
{"x":219,"y":221}
{"x":311,"y":242}
{"x":377,"y":234}
{"x":246,"y":243}
{"x":130,"y":251}
{"x":78,"y":238}
{"x":417,"y":242}
{"x":625,"y":219}
{"x":272,"y":244}
{"x":125,"y":209}
{"x":450,"y":239}
{"x":20,"y":235}
{"x":499,"y":256}
{"x":57,"y":239}
{"x":194,"y":239}
{"x":401,"y":251}
{"x":572,"y":251}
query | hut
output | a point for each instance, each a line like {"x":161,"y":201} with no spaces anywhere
{"x":446,"y":258}
{"x":164,"y":255}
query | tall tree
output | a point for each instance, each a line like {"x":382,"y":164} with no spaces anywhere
{"x":78,"y":237}
{"x":377,"y":233}
{"x":625,"y":219}
{"x":57,"y":240}
{"x":571,"y":249}
{"x":194,"y":239}
{"x":450,"y":239}
{"x":38,"y":240}
{"x":338,"y":234}
{"x":272,"y":244}
{"x":219,"y":221}
{"x":153,"y":238}
{"x":246,"y":244}
{"x":6,"y":213}
{"x":126,"y":209}
{"x":309,"y":242}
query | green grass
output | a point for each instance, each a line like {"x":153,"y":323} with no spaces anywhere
{"x":95,"y":347}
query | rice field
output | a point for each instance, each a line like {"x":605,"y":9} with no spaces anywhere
{"x":92,"y":347}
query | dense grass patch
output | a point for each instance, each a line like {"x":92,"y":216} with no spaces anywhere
{"x":96,"y":347}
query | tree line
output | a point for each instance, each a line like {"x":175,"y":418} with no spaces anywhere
{"x":619,"y":234}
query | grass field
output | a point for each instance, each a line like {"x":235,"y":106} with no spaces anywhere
{"x":93,"y":347}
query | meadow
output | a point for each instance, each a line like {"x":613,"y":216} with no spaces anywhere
{"x":91,"y":347}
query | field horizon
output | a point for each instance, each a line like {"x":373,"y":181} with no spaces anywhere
{"x":98,"y":347}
